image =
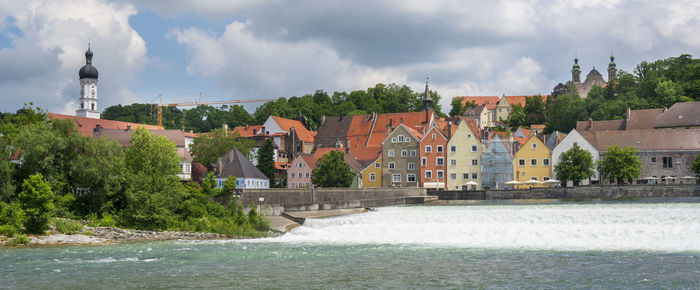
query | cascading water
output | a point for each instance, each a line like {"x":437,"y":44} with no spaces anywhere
{"x":654,"y":227}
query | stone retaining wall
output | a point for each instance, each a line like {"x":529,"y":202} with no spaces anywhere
{"x":581,"y":192}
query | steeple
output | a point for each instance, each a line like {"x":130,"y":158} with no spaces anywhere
{"x":88,"y":88}
{"x":612,"y":67}
{"x":576,"y":71}
{"x":427,"y":101}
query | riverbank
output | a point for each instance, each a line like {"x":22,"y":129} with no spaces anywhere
{"x":108,"y":235}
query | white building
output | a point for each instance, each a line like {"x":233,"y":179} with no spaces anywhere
{"x":574,"y":137}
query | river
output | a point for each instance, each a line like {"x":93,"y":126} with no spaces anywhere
{"x":599,"y":245}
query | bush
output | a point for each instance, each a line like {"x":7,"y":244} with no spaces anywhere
{"x":20,"y":239}
{"x":66,"y":226}
{"x":107,"y":221}
{"x":36,"y":199}
{"x":11,"y":219}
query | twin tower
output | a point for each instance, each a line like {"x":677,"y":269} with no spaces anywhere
{"x":593,"y":78}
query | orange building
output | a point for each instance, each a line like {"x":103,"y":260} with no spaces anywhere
{"x":433,"y":155}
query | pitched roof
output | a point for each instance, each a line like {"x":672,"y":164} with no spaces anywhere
{"x":281,"y":165}
{"x":234,"y":163}
{"x":248,"y":131}
{"x":332,"y":130}
{"x":86,"y":125}
{"x":301,"y":131}
{"x":605,"y":125}
{"x":537,"y":127}
{"x":354,"y":164}
{"x":642,"y":119}
{"x":520,"y":100}
{"x":123,"y":137}
{"x":474,"y":111}
{"x":656,"y":139}
{"x":367,"y":132}
{"x":679,"y":115}
{"x":489,"y":101}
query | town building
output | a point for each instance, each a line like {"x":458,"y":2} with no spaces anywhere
{"x":684,"y":115}
{"x":433,"y":155}
{"x":532,"y":161}
{"x":574,"y":137}
{"x":299,"y":173}
{"x":400,"y":157}
{"x":464,"y":156}
{"x":291,"y":135}
{"x":235,"y":164}
{"x":496,"y":162}
{"x":372,"y":173}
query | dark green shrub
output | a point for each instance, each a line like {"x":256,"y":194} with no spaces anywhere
{"x":11,"y":219}
{"x":36,"y":199}
{"x":20,"y":239}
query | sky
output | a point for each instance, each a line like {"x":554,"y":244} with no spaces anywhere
{"x":252,"y":49}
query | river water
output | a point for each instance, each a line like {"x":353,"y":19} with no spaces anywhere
{"x":628,"y":245}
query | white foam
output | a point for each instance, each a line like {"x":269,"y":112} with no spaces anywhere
{"x":654,"y":227}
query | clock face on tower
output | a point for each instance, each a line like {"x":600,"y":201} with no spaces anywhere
{"x":92,"y":93}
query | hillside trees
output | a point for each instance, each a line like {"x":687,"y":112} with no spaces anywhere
{"x":207,"y":148}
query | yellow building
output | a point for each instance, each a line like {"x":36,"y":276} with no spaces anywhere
{"x":464,"y":157}
{"x":372,"y":174}
{"x":532,"y":162}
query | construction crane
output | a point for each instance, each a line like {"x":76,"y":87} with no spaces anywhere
{"x":160,"y":106}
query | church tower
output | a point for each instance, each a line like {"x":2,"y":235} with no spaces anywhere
{"x":576,"y":71}
{"x":427,"y":100}
{"x":612,"y":68}
{"x":88,"y":89}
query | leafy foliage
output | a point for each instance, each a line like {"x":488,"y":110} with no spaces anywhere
{"x":575,"y":164}
{"x":36,"y":200}
{"x":207,"y":148}
{"x":332,"y":171}
{"x":623,"y":164}
{"x":266,"y":160}
{"x":11,"y":218}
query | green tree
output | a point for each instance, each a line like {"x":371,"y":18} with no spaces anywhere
{"x":332,"y":171}
{"x":457,"y":107}
{"x":696,"y":165}
{"x":563,"y":112}
{"x":575,"y":164}
{"x":207,"y":148}
{"x":229,"y":185}
{"x":151,"y":155}
{"x":36,"y":199}
{"x":516,"y":118}
{"x":7,"y":170}
{"x":11,"y":218}
{"x":622,"y":164}
{"x":266,"y":160}
{"x":534,"y":110}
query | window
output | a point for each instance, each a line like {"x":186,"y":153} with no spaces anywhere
{"x":396,"y":178}
{"x":653,"y":160}
{"x":393,"y":140}
{"x":372,"y":177}
{"x":293,"y":174}
{"x":533,"y":162}
{"x":377,"y":165}
{"x":668,"y":162}
{"x":411,"y":166}
{"x":474,"y":148}
{"x":440,"y":174}
{"x":469,"y":135}
{"x":400,"y":138}
{"x":187,"y":168}
{"x":533,"y":178}
{"x":475,"y":175}
{"x":453,"y":149}
{"x":413,"y":153}
{"x":475,"y":161}
{"x":410,"y":177}
{"x":453,"y":162}
{"x":292,"y":185}
{"x":439,"y":148}
{"x":433,"y":135}
{"x":534,"y":145}
{"x":404,"y":153}
{"x":424,"y":161}
{"x":521,"y":162}
{"x":391,"y":165}
{"x":307,"y":184}
{"x":391,"y":153}
{"x":428,"y":149}
{"x":308,"y":174}
{"x":545,"y":162}
{"x":440,"y":161}
{"x":428,"y":174}
{"x":408,"y":139}
{"x":453,"y":176}
{"x":545,"y":178}
{"x":465,"y":175}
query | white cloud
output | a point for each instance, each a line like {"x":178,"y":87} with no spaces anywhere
{"x":47,"y":56}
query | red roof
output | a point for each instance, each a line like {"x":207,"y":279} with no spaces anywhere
{"x":85,"y":125}
{"x":281,"y":165}
{"x":248,"y":131}
{"x":489,"y":101}
{"x":537,"y":127}
{"x":367,"y":133}
{"x":286,"y":124}
{"x":520,"y":100}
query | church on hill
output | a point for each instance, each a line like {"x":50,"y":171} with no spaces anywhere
{"x":593,"y":78}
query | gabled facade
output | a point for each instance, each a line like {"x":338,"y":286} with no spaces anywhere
{"x":574,"y":137}
{"x":372,"y":174}
{"x":464,"y":157}
{"x":496,"y":163}
{"x":290,"y":135}
{"x":479,"y":114}
{"x":299,"y":174}
{"x":532,"y":161}
{"x":503,"y":110}
{"x":235,"y":164}
{"x":400,"y":158}
{"x":433,"y":159}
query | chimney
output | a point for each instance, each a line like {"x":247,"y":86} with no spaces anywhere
{"x":323,"y":119}
{"x":590,"y":124}
{"x":347,"y":146}
{"x":449,"y":129}
{"x":629,"y":112}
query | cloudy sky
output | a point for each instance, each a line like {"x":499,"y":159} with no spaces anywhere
{"x":246,"y":49}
